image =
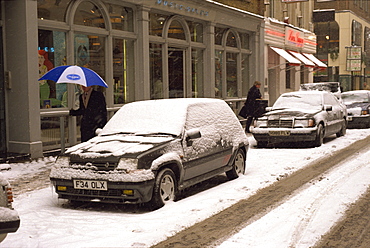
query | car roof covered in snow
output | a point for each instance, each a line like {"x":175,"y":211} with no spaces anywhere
{"x":158,"y":116}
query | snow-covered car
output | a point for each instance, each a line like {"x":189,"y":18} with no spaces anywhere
{"x":150,"y":150}
{"x":301,"y":116}
{"x":9,"y":218}
{"x":358,"y":107}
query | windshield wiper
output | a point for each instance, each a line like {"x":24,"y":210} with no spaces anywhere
{"x":115,"y":133}
{"x":154,"y":134}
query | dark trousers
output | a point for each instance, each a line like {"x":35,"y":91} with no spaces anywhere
{"x":248,"y":123}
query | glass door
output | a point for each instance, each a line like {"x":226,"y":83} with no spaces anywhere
{"x":176,"y":75}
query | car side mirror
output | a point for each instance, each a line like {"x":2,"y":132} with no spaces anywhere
{"x":268,"y":109}
{"x":328,"y":107}
{"x":98,"y":131}
{"x":192,"y":134}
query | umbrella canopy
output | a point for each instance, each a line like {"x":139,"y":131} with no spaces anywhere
{"x":75,"y":75}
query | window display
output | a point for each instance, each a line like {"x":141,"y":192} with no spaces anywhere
{"x":51,"y":53}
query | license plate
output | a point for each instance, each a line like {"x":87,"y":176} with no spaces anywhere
{"x":349,"y":118}
{"x":90,"y":184}
{"x":279,"y":133}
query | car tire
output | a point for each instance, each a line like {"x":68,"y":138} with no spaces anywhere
{"x":238,"y":166}
{"x":319,"y":136}
{"x":164,"y":190}
{"x":343,"y":130}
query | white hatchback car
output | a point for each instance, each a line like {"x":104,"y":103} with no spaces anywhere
{"x":150,"y":150}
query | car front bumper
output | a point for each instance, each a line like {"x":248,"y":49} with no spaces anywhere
{"x":282,"y":135}
{"x":11,"y":223}
{"x":142,"y":191}
{"x":358,"y":120}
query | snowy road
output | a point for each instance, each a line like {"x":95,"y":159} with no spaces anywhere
{"x":49,"y":222}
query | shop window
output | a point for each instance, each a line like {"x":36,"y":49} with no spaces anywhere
{"x":218,"y":71}
{"x":176,"y":72}
{"x":231,"y":74}
{"x":244,"y":40}
{"x":196,"y":31}
{"x":121,"y":17}
{"x":219,"y":32}
{"x":197,"y":72}
{"x":52,"y":9}
{"x":156,"y":76}
{"x":88,"y":14}
{"x":245,"y":74}
{"x":90,"y":53}
{"x":231,"y":40}
{"x":51,"y":53}
{"x":176,"y":31}
{"x":156,"y":23}
{"x":123,"y":71}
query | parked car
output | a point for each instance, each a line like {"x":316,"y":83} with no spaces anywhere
{"x":150,"y":150}
{"x":9,"y":218}
{"x":301,"y":116}
{"x":358,"y":107}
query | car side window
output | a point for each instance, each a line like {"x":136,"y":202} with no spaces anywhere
{"x":330,"y":100}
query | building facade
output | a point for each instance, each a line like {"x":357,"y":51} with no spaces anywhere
{"x":148,"y":49}
{"x":343,"y":36}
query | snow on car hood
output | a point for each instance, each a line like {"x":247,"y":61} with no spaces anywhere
{"x":293,"y":112}
{"x":117,"y":145}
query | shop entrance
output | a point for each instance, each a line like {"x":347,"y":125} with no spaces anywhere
{"x":2,"y":101}
{"x":176,"y":72}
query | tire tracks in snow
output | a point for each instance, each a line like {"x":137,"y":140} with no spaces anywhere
{"x":222,"y":225}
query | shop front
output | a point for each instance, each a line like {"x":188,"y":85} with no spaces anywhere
{"x":290,"y":59}
{"x":142,"y":49}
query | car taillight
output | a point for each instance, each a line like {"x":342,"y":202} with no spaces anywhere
{"x":9,"y":194}
{"x":364,"y":112}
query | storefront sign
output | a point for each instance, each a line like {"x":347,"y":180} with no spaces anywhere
{"x":182,"y":7}
{"x":354,"y":58}
{"x":294,"y":37}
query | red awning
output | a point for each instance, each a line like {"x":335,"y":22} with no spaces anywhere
{"x":317,"y":62}
{"x":288,"y":57}
{"x":304,"y":59}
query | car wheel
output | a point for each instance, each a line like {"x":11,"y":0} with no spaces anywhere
{"x":238,"y":166}
{"x":164,"y":189}
{"x":343,"y":130}
{"x":319,"y":136}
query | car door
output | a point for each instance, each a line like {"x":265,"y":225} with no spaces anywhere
{"x":335,"y":116}
{"x":209,"y":152}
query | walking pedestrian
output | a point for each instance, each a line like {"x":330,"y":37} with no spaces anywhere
{"x":251,"y":104}
{"x":93,"y":111}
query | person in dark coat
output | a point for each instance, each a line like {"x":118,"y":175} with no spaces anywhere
{"x":93,"y":110}
{"x":252,"y":105}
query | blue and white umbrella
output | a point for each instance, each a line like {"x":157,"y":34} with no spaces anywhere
{"x":74,"y":74}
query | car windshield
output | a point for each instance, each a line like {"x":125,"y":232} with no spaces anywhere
{"x":301,"y":101}
{"x":355,"y":97}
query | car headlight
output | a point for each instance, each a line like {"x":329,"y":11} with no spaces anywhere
{"x":304,"y":123}
{"x":62,"y":161}
{"x":127,"y":164}
{"x":260,"y":123}
{"x":364,"y":112}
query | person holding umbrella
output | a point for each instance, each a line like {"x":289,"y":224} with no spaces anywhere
{"x":92,"y":107}
{"x":93,"y":111}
